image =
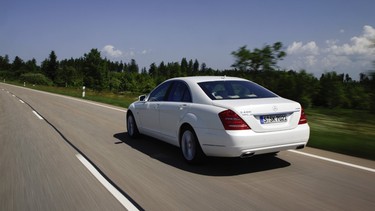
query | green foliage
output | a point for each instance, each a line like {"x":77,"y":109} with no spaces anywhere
{"x":35,"y":78}
{"x":264,"y":59}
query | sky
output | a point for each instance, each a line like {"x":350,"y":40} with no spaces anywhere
{"x":317,"y":35}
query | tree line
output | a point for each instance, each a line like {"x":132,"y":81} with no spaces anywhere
{"x":331,"y":90}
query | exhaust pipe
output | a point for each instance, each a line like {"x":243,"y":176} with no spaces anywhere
{"x":300,"y":147}
{"x":247,"y":154}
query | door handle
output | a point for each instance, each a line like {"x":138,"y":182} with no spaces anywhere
{"x":183,"y":106}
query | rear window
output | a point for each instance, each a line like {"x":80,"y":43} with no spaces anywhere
{"x":224,"y":90}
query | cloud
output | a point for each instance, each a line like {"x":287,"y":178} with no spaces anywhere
{"x":306,"y":54}
{"x":146,"y":51}
{"x":359,"y":45}
{"x":353,"y":56}
{"x":132,"y":52}
{"x":299,"y":48}
{"x":111,"y":51}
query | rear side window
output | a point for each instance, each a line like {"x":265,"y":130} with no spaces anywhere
{"x":180,"y":93}
{"x":160,"y":93}
{"x":224,"y":90}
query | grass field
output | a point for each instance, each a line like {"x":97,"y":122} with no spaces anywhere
{"x":350,"y":132}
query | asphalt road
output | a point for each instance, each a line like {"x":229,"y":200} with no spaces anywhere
{"x":40,"y":167}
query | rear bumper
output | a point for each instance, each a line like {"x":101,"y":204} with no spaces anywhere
{"x":223,"y":143}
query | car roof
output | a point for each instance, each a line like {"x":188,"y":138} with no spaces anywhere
{"x":198,"y":79}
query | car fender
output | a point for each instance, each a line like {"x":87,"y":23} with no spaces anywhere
{"x":189,"y":118}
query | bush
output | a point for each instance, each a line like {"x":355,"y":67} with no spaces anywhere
{"x":35,"y":78}
{"x":7,"y":75}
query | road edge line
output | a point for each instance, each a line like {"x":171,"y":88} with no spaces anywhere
{"x":334,"y":161}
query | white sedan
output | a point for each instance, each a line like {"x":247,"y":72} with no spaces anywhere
{"x":218,"y":116}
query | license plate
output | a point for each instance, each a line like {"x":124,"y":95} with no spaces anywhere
{"x":270,"y":119}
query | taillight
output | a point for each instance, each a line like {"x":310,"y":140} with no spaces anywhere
{"x":303,"y":118}
{"x":231,"y":121}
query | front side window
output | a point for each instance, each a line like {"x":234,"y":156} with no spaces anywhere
{"x":224,"y":90}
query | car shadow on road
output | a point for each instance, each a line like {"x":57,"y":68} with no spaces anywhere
{"x":211,"y":166}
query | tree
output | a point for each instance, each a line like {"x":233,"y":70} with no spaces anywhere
{"x":203,"y":67}
{"x":95,"y":71}
{"x":264,"y":59}
{"x":195,"y":67}
{"x":6,"y":69}
{"x":4,"y":63}
{"x":17,"y":64}
{"x":50,"y":66}
{"x":174,"y":69}
{"x":31,"y":66}
{"x":190,"y":67}
{"x":115,"y":81}
{"x":163,"y":70}
{"x":68,"y":76}
{"x":331,"y":92}
{"x":184,"y":67}
{"x":133,"y":67}
{"x":18,"y":67}
{"x":153,"y":71}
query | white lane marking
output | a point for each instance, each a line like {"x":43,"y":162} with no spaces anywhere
{"x":121,"y":198}
{"x":14,"y":95}
{"x":334,"y":161}
{"x":22,"y":101}
{"x":36,"y":114}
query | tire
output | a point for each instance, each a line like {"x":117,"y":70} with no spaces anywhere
{"x":131,"y":126}
{"x":190,"y":148}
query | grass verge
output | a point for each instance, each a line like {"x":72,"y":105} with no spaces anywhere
{"x":120,"y":99}
{"x":345,"y":131}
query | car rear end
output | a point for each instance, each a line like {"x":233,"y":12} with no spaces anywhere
{"x":244,"y":134}
{"x":253,"y":126}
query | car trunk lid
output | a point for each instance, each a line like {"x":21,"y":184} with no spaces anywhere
{"x":265,"y":114}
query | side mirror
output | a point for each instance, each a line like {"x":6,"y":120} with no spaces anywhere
{"x":142,"y":98}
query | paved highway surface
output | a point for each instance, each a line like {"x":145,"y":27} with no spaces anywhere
{"x":61,"y":153}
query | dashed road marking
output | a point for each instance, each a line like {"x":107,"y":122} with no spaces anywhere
{"x":36,"y":114}
{"x":121,"y":198}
